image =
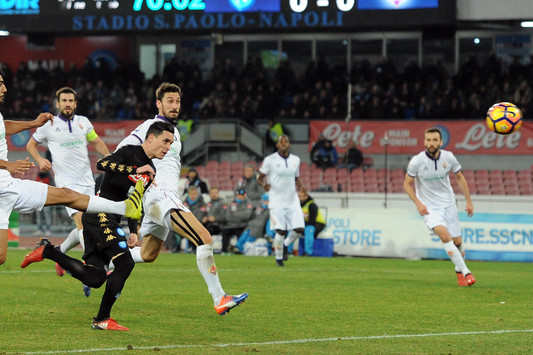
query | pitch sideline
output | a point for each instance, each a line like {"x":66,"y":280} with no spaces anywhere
{"x":295,"y":341}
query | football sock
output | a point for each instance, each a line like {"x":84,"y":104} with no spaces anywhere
{"x":455,"y":256}
{"x":135,"y":255}
{"x":462,"y":251}
{"x":115,"y":283}
{"x":278,"y":246}
{"x":72,"y":240}
{"x":80,"y":236}
{"x":291,"y":238}
{"x":89,"y":275}
{"x":208,"y":269}
{"x":99,"y":204}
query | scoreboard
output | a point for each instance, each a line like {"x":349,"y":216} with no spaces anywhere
{"x":197,"y":16}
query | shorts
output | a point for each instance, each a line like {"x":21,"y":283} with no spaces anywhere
{"x":103,"y":236}
{"x":286,"y":219}
{"x":158,"y":204}
{"x":24,"y":196}
{"x":447,"y":217}
{"x":82,"y":189}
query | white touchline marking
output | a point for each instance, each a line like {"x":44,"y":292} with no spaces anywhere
{"x":295,"y":341}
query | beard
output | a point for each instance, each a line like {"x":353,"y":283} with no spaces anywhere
{"x":172,"y":116}
{"x":435,"y":152}
{"x":67,"y":115}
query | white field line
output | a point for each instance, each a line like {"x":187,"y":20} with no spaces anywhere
{"x":294,"y":341}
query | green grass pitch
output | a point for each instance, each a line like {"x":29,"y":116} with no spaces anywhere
{"x":311,"y":306}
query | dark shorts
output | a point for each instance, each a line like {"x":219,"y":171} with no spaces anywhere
{"x":103,"y":237}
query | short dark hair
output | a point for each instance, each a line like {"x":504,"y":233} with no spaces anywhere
{"x":434,"y":130}
{"x":66,"y":90}
{"x":166,"y":87}
{"x":159,"y":127}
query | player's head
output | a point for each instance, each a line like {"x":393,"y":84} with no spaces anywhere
{"x":159,"y":138}
{"x":283,"y":144}
{"x":433,"y":141}
{"x":66,"y":101}
{"x":3,"y":88}
{"x":168,"y":102}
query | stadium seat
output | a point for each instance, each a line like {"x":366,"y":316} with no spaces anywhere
{"x":342,"y":172}
{"x":357,"y":186}
{"x":397,"y":188}
{"x":468,"y":174}
{"x":368,"y":162}
{"x":523,"y":175}
{"x":304,"y":166}
{"x":509,"y":175}
{"x":226,"y":185}
{"x":200,"y":170}
{"x":513,"y":190}
{"x":212,"y":165}
{"x":330,"y":172}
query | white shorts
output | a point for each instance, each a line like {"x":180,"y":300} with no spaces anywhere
{"x":447,"y":217}
{"x":157,"y":204}
{"x":24,"y":196}
{"x":82,"y":189}
{"x":286,"y":219}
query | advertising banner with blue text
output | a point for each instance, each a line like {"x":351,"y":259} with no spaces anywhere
{"x":401,"y":233}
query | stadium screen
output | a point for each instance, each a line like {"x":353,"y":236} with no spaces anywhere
{"x":111,"y":16}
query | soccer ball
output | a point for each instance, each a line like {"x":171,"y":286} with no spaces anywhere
{"x":504,"y":118}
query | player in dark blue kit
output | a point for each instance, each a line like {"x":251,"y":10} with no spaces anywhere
{"x":105,"y":241}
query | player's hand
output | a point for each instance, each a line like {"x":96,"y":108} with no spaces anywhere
{"x":44,"y":165}
{"x":146,"y":169}
{"x":469,"y":208}
{"x":43,"y":118}
{"x":266,"y":187}
{"x":133,"y":240}
{"x":422,"y":209}
{"x":20,"y":166}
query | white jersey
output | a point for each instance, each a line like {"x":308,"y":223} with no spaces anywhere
{"x":432,"y":180}
{"x":67,"y":142}
{"x":168,"y":169}
{"x":281,"y":174}
{"x":5,"y":176}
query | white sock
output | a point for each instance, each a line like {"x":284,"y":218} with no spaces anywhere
{"x":80,"y":236}
{"x":455,"y":256}
{"x":72,"y":240}
{"x":208,"y":269}
{"x":291,"y":238}
{"x":462,"y":251}
{"x":135,"y":254}
{"x":278,"y":246}
{"x":99,"y":204}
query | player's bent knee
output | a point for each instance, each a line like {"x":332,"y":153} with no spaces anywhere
{"x":148,"y":257}
{"x":96,"y":278}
